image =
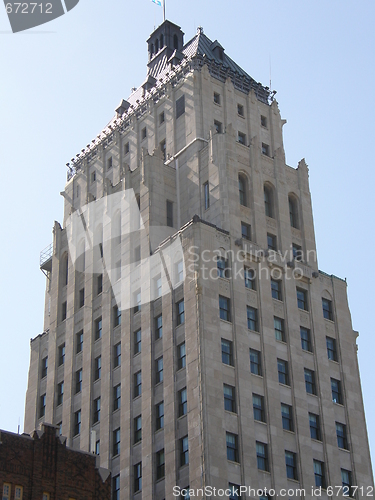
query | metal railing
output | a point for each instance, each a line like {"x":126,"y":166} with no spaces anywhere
{"x":46,"y":254}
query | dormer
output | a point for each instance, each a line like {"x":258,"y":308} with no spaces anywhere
{"x":162,"y":43}
{"x":218,"y":50}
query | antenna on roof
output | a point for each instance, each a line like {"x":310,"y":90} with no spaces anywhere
{"x":19,"y":425}
{"x":270,"y":76}
{"x":163,"y":10}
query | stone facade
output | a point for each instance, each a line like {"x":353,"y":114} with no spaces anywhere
{"x":41,"y":466}
{"x":203,"y":136}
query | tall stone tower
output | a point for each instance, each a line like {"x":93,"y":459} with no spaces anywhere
{"x":197,"y":345}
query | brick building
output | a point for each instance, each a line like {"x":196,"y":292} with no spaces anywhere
{"x":42,"y":467}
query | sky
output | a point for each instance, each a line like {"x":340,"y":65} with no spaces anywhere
{"x":61,"y":82}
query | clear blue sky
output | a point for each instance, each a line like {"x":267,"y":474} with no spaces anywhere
{"x":61,"y":82}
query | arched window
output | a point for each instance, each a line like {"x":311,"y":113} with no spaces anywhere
{"x":161,"y":41}
{"x":175,"y":41}
{"x":268,"y":201}
{"x":293,"y":211}
{"x":242,"y":188}
{"x":156,"y":45}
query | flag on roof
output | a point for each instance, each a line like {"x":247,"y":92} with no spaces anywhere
{"x":158,"y":2}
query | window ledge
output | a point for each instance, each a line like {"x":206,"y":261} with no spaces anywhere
{"x":284,"y":385}
{"x":311,"y":394}
{"x":226,"y":321}
{"x":256,"y":375}
{"x":344,"y":449}
{"x":330,"y":321}
{"x":289,"y":432}
{"x":233,"y":462}
{"x":317,"y":440}
{"x":333,"y":361}
{"x":230,"y":412}
{"x":338,"y":404}
{"x":137,"y":397}
{"x":293,"y":480}
{"x":254,"y":331}
{"x":308,"y":352}
{"x":241,"y":116}
{"x":260,"y":422}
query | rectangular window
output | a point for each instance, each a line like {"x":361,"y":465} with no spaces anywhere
{"x":116,"y":487}
{"x":291,"y":465}
{"x":218,"y":126}
{"x":206,"y":190}
{"x":77,"y":423}
{"x":116,"y":441}
{"x":314,"y":426}
{"x":271,"y":242}
{"x":222,"y":267}
{"x":60,"y":393}
{"x":346,"y":478}
{"x":159,"y":370}
{"x":249,"y":278}
{"x":180,"y":312}
{"x":81,"y":297}
{"x":160,"y":415}
{"x":287,"y":417}
{"x":97,"y":447}
{"x":240,"y":110}
{"x":297,"y":252}
{"x":137,"y":341}
{"x":46,"y":496}
{"x":184,"y":451}
{"x":182,"y":402}
{"x":336,"y":391}
{"x":305,"y":339}
{"x":179,"y":271}
{"x":137,"y":302}
{"x":98,"y":328}
{"x":116,"y":316}
{"x":18,"y":493}
{"x":342,"y":441}
{"x":109,"y":163}
{"x":61,"y":353}
{"x":327,"y":309}
{"x":6,"y":491}
{"x":302,"y":299}
{"x":137,"y":254}
{"x":227,"y":352}
{"x":137,"y":384}
{"x":158,"y":327}
{"x":79,"y":340}
{"x":64,"y":311}
{"x":126,"y":148}
{"x":241,"y":138}
{"x":252,"y":318}
{"x":319,"y":474}
{"x":169,"y":213}
{"x":44,"y":366}
{"x":138,"y":477}
{"x":42,"y":405}
{"x":245,"y":231}
{"x":97,"y":368}
{"x":160,"y":464}
{"x":96,"y":411}
{"x":117,"y":397}
{"x":163,"y":148}
{"x":262,"y":455}
{"x":143,"y":134}
{"x":229,"y":398}
{"x":181,"y":356}
{"x":158,"y":287}
{"x":78,"y":381}
{"x":93,"y":176}
{"x":265,"y":149}
{"x":263,"y":121}
{"x":276,"y":289}
{"x":117,"y":355}
{"x":234,"y":492}
{"x":255,"y":362}
{"x":224,"y":306}
{"x":232,"y":447}
{"x":161,"y":118}
{"x":282,"y":368}
{"x":137,"y":429}
{"x":180,"y":106}
{"x":279,"y":329}
{"x":331,"y":348}
{"x":258,"y":408}
{"x":310,"y":381}
{"x":216,"y":98}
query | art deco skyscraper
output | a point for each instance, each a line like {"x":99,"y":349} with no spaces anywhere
{"x":198,"y":345}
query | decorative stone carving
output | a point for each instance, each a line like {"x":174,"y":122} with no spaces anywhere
{"x":222,"y":238}
{"x":252,"y":298}
{"x":305,"y":319}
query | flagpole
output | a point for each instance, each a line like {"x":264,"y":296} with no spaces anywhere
{"x":164,"y":9}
